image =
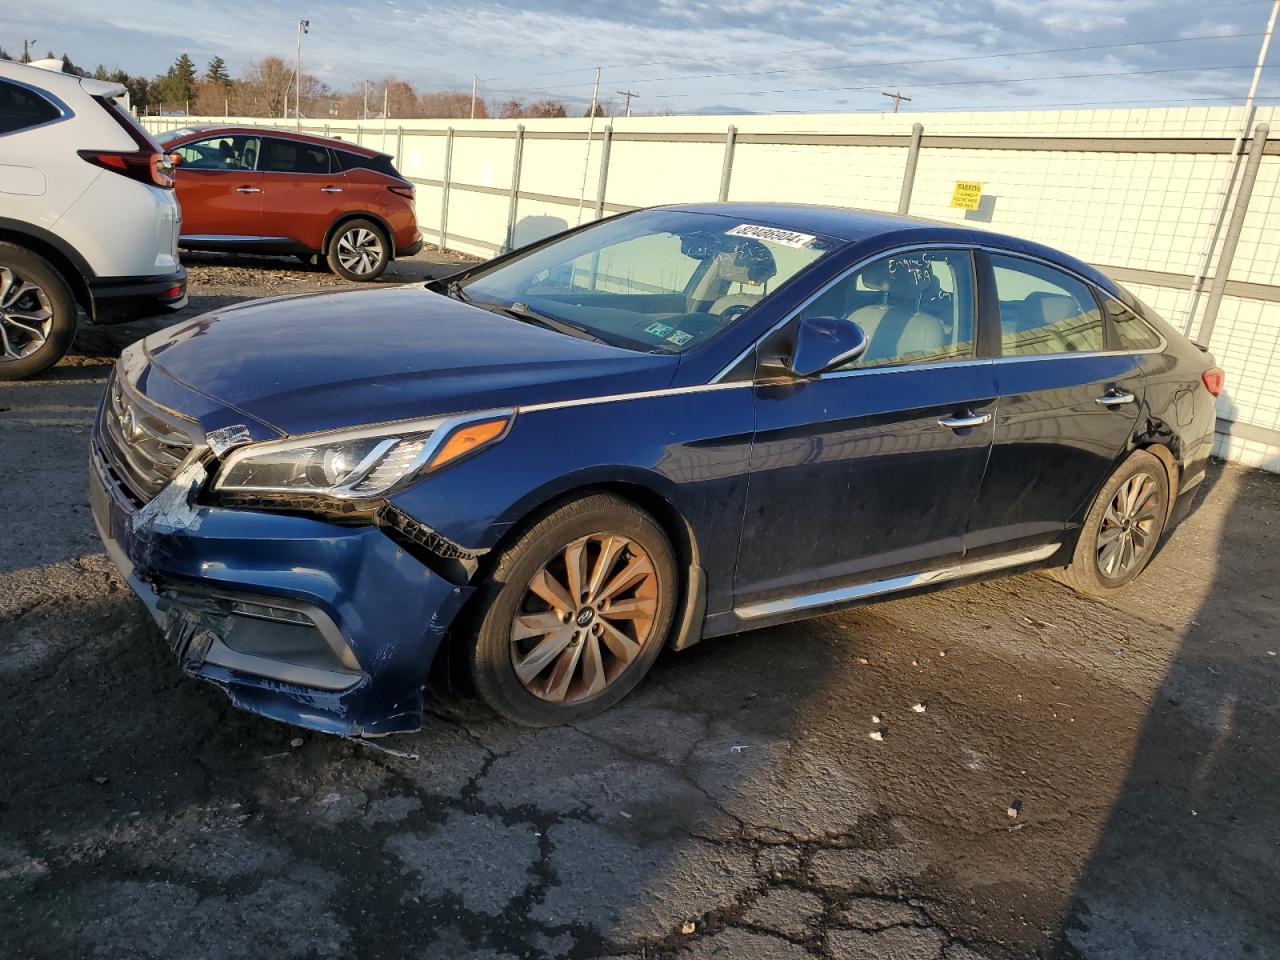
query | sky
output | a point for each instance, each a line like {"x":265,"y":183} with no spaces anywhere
{"x":699,"y":56}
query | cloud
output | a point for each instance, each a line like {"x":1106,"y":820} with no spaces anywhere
{"x":694,"y":55}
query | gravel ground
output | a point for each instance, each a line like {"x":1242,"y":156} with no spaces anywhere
{"x":734,"y":807}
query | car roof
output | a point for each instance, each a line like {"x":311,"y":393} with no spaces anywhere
{"x":214,"y":128}
{"x":873,"y":229}
{"x":57,"y":82}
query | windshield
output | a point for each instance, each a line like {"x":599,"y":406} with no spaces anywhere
{"x":658,"y":280}
{"x":171,"y":135}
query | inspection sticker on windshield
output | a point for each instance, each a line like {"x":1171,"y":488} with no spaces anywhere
{"x":658,"y":329}
{"x":787,"y":238}
{"x":680,"y":338}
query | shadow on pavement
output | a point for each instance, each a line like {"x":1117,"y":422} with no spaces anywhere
{"x":1186,"y":862}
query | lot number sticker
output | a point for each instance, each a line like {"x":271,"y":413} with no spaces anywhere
{"x":967,"y":195}
{"x":787,"y":238}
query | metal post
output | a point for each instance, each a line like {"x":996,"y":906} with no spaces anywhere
{"x":1224,"y":189}
{"x":516,"y":159}
{"x":1232,"y":239}
{"x":909,"y":174}
{"x":326,"y":130}
{"x":444,"y":189}
{"x":399,"y":143}
{"x":475,"y":82}
{"x":605,"y":147}
{"x":591,"y":131}
{"x":726,"y":171}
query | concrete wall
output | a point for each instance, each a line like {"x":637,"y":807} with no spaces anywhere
{"x":1135,"y":192}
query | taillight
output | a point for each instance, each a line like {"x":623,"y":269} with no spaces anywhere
{"x":1214,"y":380}
{"x":144,"y":166}
{"x":404,"y":191}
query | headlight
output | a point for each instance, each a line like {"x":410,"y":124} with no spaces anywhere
{"x":362,"y":463}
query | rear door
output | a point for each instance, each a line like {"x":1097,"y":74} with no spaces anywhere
{"x":219,"y":188}
{"x":870,"y":471}
{"x":303,"y":192}
{"x":1068,"y":405}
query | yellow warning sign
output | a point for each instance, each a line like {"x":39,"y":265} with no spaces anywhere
{"x":966,"y":195}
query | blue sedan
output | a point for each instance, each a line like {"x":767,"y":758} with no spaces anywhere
{"x":673,"y":424}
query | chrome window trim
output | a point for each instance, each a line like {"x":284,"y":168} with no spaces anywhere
{"x":638,"y":395}
{"x":971,"y":248}
{"x":64,"y":111}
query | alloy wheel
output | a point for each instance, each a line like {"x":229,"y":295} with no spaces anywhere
{"x":360,"y":251}
{"x":586,"y":615}
{"x":1128,"y":526}
{"x":26,"y":316}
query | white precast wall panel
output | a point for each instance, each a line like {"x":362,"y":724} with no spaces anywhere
{"x":1143,"y":214}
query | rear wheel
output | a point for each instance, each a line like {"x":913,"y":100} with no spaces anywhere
{"x":577,"y":611}
{"x":359,"y":250}
{"x":1123,"y":527}
{"x":37,"y":313}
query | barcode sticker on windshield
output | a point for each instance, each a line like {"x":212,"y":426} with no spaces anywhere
{"x":787,"y":238}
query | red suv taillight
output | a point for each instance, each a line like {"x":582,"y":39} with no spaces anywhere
{"x":1214,"y":380}
{"x":405,"y":191}
{"x":142,"y":165}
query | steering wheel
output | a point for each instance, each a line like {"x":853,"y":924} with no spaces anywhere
{"x":730,"y":313}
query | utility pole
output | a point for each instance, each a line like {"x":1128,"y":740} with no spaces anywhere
{"x":303,"y":27}
{"x":475,"y":83}
{"x":897,"y":96}
{"x":26,"y":50}
{"x":591,"y":129}
{"x":364,"y":113}
{"x":628,"y":94}
{"x":1224,"y":190}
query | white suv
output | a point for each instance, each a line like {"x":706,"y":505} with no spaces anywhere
{"x":88,"y":215}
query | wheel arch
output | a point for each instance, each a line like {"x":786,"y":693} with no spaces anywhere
{"x":64,"y":259}
{"x":388,"y":235}
{"x":1172,"y":470}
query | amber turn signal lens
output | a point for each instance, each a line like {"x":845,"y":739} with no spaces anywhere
{"x":466,"y":439}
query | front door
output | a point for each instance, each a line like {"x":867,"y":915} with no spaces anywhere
{"x":1068,"y":406}
{"x":218,"y":187}
{"x":870,"y":471}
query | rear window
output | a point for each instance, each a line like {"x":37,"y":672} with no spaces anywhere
{"x":130,"y":123}
{"x":381,"y":163}
{"x":21,"y":109}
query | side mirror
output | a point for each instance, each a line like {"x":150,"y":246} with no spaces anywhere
{"x":175,"y":159}
{"x":826,"y":342}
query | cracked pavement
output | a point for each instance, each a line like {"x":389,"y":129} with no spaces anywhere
{"x":733,"y":807}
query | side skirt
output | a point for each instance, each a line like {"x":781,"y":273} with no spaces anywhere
{"x":773,"y":612}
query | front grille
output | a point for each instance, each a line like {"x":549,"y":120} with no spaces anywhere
{"x":143,"y":444}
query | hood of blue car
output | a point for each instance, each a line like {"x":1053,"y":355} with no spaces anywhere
{"x":323,"y":361}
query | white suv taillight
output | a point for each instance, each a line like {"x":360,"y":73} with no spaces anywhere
{"x":141,"y":165}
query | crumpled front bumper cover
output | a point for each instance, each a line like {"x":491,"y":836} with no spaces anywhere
{"x":224,"y":584}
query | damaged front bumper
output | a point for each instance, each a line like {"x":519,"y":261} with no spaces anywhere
{"x":317,"y":624}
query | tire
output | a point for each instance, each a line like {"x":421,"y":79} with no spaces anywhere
{"x":37,"y":313}
{"x":1142,"y":481}
{"x":365,"y":248}
{"x":584,"y":667}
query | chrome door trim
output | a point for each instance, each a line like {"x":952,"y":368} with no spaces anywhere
{"x":893,"y":584}
{"x":1117,"y":399}
{"x":226,"y":238}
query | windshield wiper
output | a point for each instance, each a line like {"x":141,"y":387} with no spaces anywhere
{"x":522,"y":311}
{"x":454,"y":289}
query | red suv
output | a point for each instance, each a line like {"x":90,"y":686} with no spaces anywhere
{"x":270,"y":191}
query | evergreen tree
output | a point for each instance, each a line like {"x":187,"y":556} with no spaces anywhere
{"x":217,"y":72}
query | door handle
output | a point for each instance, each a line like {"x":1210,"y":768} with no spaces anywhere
{"x":964,"y":423}
{"x":1115,"y":398}
{"x":330,"y":189}
{"x":248,"y":189}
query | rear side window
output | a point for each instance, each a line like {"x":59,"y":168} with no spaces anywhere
{"x":21,"y":108}
{"x":1131,"y":330}
{"x":291,"y":156}
{"x":380,"y":163}
{"x":1044,"y":311}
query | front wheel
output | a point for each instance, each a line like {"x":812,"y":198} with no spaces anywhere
{"x":37,"y":313}
{"x":1123,"y":527}
{"x":576,"y":612}
{"x":359,"y":250}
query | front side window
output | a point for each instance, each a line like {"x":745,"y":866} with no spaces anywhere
{"x":227,"y":152}
{"x":914,"y":307}
{"x":21,"y":108}
{"x":661,"y":281}
{"x":1044,"y":311}
{"x":292,"y":156}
